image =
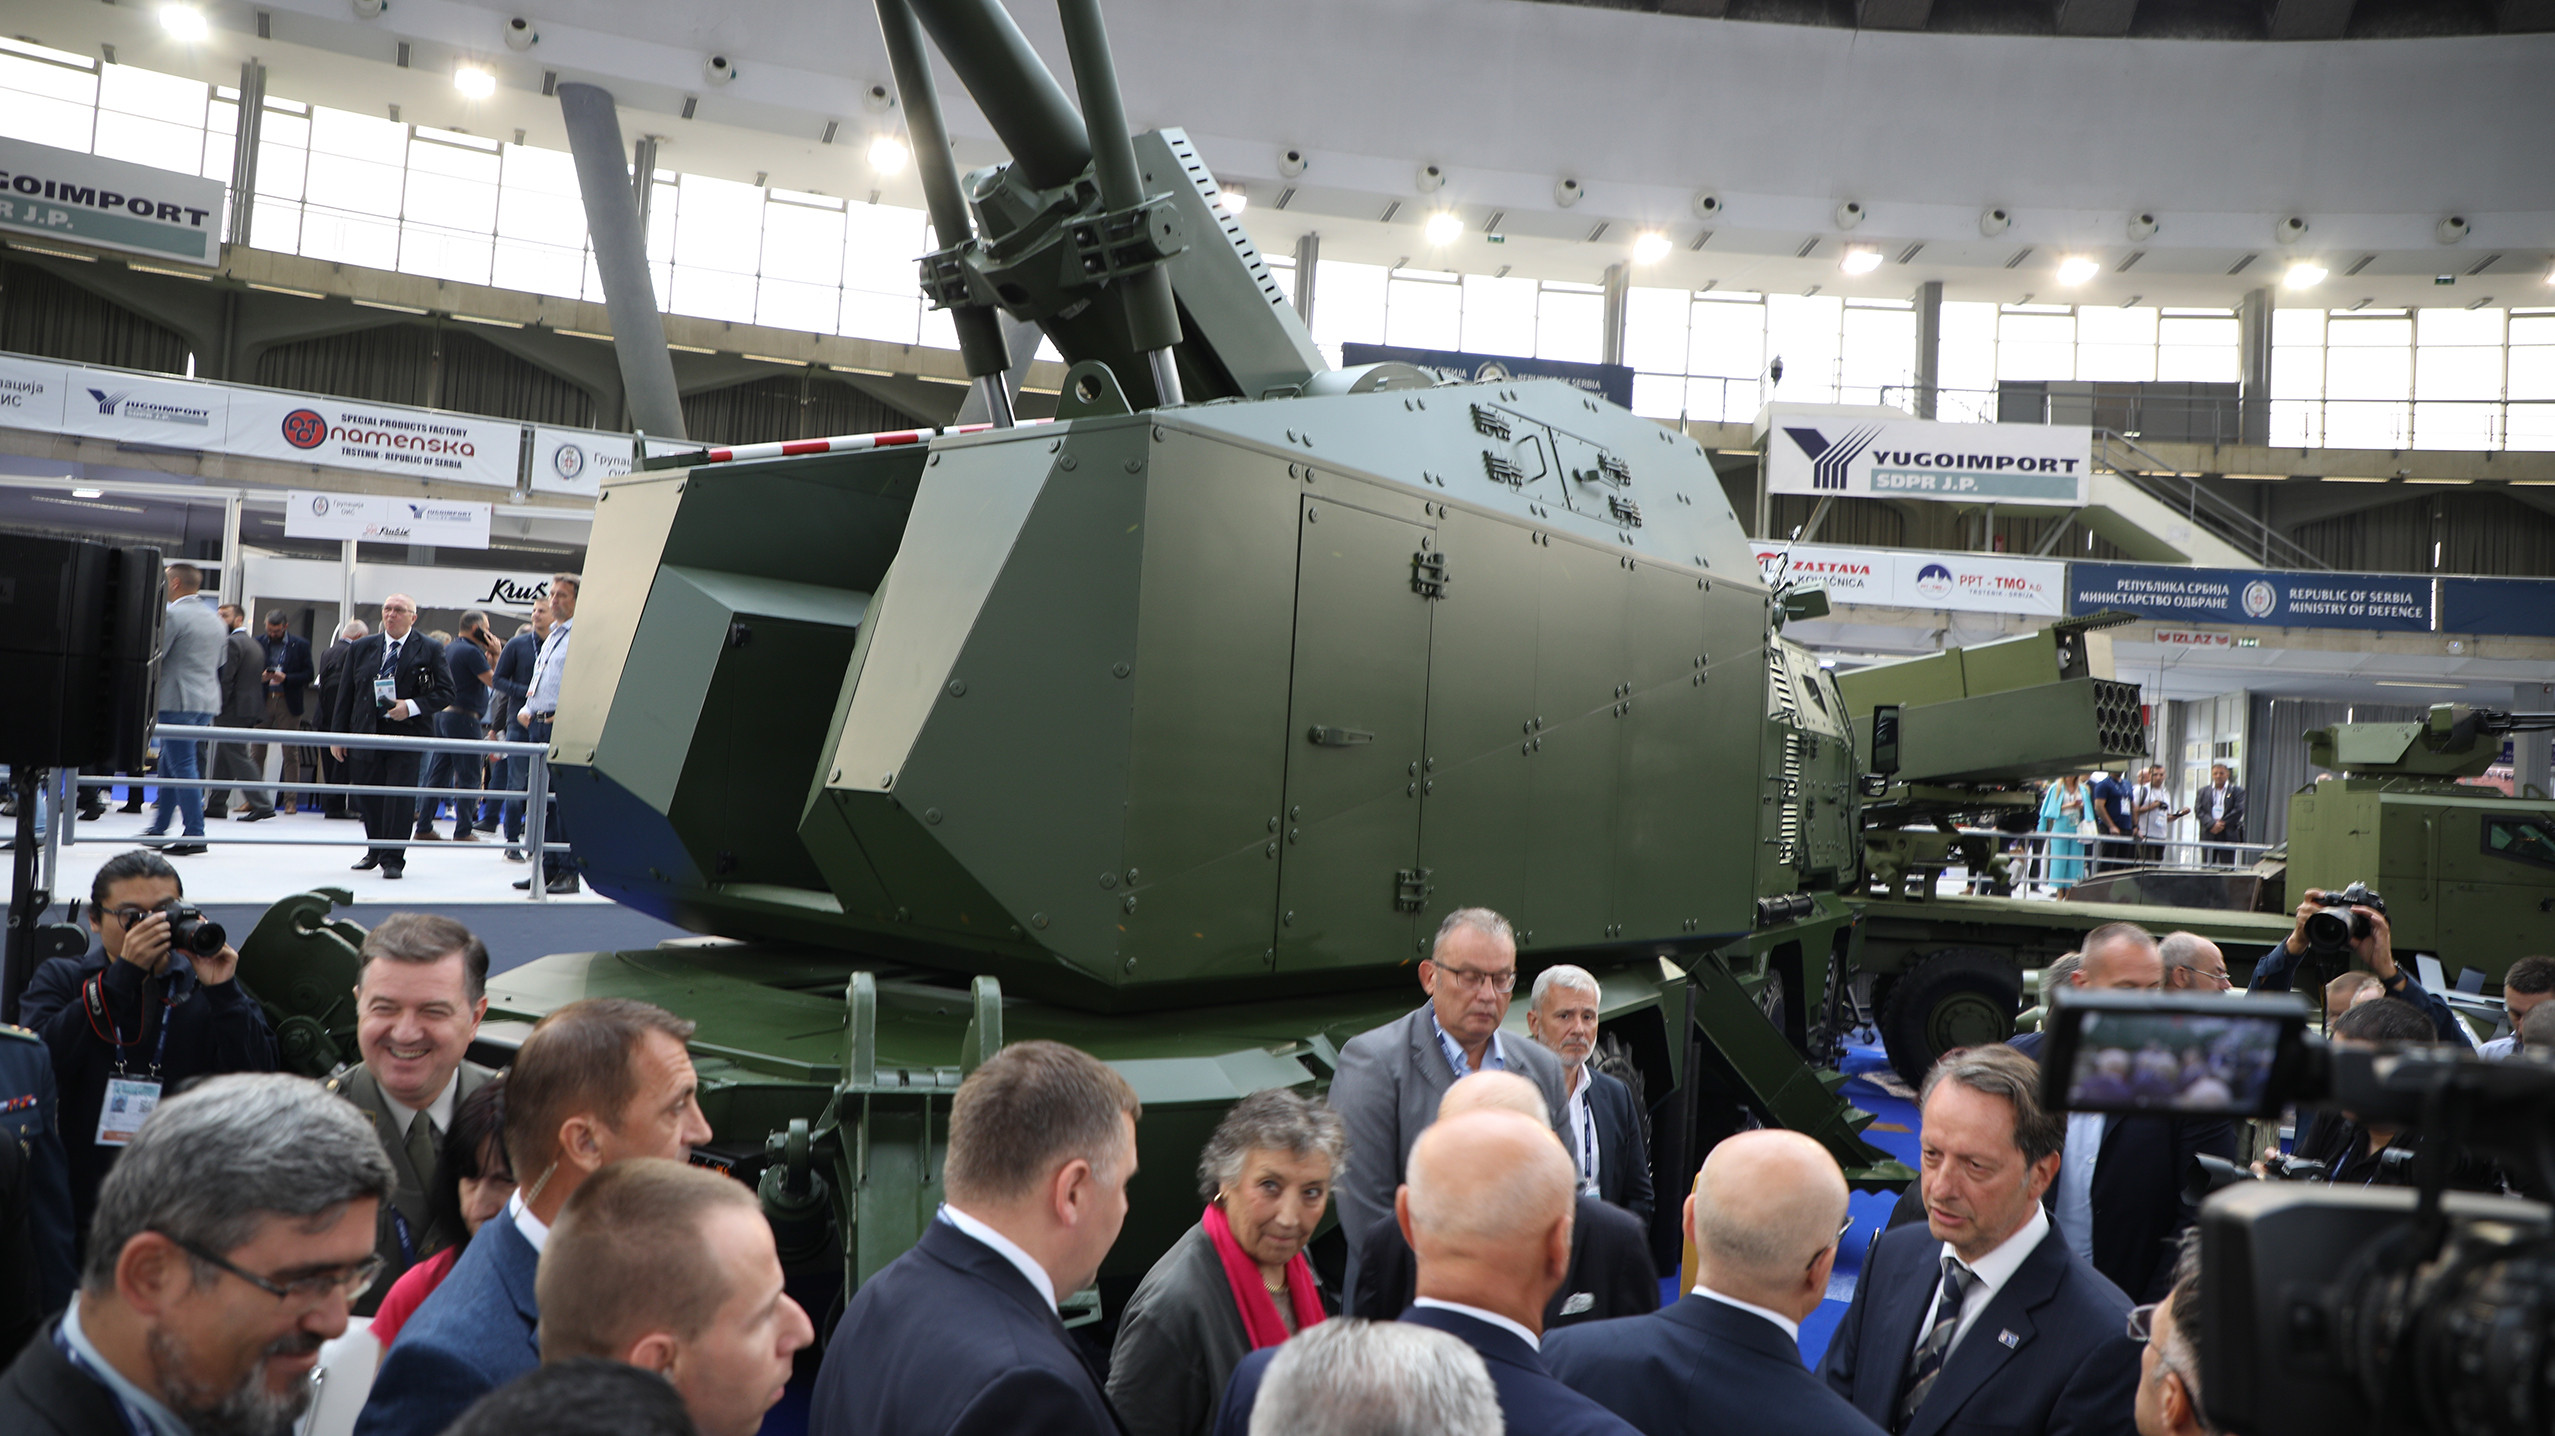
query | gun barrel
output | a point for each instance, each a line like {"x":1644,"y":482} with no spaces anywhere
{"x":1015,"y":89}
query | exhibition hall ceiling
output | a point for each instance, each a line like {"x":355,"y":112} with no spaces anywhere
{"x":2372,"y":144}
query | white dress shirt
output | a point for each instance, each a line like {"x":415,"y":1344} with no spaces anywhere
{"x":543,"y":699}
{"x":1992,"y":1270}
{"x":1790,"y":1327}
{"x":1494,"y":1318}
{"x":2075,"y":1193}
{"x":1583,"y":1126}
{"x":534,"y":1229}
{"x":1005,"y":1248}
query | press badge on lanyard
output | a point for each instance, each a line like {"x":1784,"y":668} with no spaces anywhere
{"x":385,"y":690}
{"x":130,"y":1099}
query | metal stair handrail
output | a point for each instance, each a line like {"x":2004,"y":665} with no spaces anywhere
{"x":2207,"y":509}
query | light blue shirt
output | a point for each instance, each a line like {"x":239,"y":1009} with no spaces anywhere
{"x":543,"y":701}
{"x":136,"y":1401}
{"x":2075,"y":1196}
{"x":1494,"y":1059}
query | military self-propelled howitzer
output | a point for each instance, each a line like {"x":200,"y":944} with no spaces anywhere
{"x":1173,"y":728}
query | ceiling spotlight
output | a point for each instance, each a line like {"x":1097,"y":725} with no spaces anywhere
{"x":718,"y":69}
{"x":1993,"y":222}
{"x":1291,"y":161}
{"x":2451,"y":229}
{"x":184,"y":23}
{"x":520,"y":34}
{"x":1566,"y":192}
{"x":1444,"y":227}
{"x":474,"y":82}
{"x":1430,"y":179}
{"x":2142,"y":226}
{"x":887,"y":155}
{"x":1848,"y":214}
{"x":1649,"y":247}
{"x":370,"y":9}
{"x":1860,"y":259}
{"x":2303,"y":276}
{"x":1235,"y":201}
{"x":1706,"y":204}
{"x":2290,"y":230}
{"x":2076,"y":269}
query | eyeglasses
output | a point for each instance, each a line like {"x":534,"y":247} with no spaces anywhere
{"x":2142,"y":1322}
{"x":1842,"y":1228}
{"x":344,"y":1282}
{"x":1495,"y":981}
{"x":130,"y":914}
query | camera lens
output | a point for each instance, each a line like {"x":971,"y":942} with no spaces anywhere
{"x":2328,"y":931}
{"x":2455,"y":1346}
{"x":191,"y":931}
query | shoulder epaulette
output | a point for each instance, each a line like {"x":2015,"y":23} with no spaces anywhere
{"x":23,"y":1034}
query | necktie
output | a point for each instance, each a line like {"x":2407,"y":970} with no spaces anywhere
{"x":423,"y":1143}
{"x":1958,"y":1280}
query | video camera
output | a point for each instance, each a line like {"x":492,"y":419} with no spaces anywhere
{"x":2330,"y":1310}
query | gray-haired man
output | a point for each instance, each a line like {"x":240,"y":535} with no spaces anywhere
{"x":1391,"y":1079}
{"x":1614,"y":1156}
{"x":226,"y":1244}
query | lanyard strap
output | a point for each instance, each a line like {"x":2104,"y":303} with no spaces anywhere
{"x":399,"y":1229}
{"x":113,"y":1035}
{"x":135,"y":1423}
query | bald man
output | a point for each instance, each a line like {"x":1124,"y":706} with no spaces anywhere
{"x":1767,"y":1213}
{"x":2119,"y":1200}
{"x":1487,"y":1205}
{"x":1610,"y":1271}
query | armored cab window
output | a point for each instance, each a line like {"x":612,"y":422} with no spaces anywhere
{"x":2527,"y":840}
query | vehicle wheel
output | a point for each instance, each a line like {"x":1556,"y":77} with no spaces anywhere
{"x":1959,"y":997}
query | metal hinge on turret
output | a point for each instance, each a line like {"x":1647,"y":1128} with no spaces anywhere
{"x":1411,"y":889}
{"x":1487,"y":420}
{"x":1428,"y":574}
{"x":1501,"y":471}
{"x":1624,"y":509}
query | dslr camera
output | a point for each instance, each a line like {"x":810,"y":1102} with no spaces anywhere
{"x":2331,"y":933}
{"x":2332,"y":1311}
{"x":191,"y":931}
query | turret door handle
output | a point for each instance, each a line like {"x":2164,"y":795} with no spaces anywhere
{"x":1339,"y":737}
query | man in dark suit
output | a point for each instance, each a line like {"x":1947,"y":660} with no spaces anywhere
{"x":332,"y":679}
{"x":1488,"y":1210}
{"x":242,"y":676}
{"x":1982,"y":1320}
{"x":2118,"y":1200}
{"x":1391,"y":1079}
{"x":597,"y":1081}
{"x":2219,"y":809}
{"x":961,"y":1334}
{"x":395,"y":682}
{"x":288,"y":677}
{"x":1614,"y":1157}
{"x":1734,"y":1344}
{"x":1610,"y":1273}
{"x":420,"y":990}
{"x":225,"y":1245}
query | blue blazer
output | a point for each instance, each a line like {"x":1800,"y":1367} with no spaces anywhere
{"x":950,"y":1338}
{"x":473,"y":1335}
{"x":2049,"y":1356}
{"x":1692,"y":1368}
{"x":1529,"y":1399}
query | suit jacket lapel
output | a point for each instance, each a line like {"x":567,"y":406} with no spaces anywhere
{"x":1987,"y":1347}
{"x":1892,"y":1341}
{"x":1428,"y":1056}
{"x":410,"y":1194}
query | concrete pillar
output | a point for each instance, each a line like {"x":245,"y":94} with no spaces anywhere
{"x":345,"y":583}
{"x":234,"y":566}
{"x":1618,"y":298}
{"x":2253,"y":344}
{"x":1308,"y":262}
{"x":245,"y":134}
{"x":1928,"y":369}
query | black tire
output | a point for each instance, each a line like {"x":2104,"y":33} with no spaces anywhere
{"x":1959,"y":997}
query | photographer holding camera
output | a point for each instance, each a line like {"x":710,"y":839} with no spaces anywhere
{"x":2350,"y":927}
{"x":153,"y":1004}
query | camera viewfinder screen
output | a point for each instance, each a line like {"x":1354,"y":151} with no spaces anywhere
{"x":2183,"y":1062}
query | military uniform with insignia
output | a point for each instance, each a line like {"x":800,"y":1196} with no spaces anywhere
{"x":409,"y":1229}
{"x":35,"y":1186}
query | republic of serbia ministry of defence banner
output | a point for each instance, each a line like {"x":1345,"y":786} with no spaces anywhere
{"x":1872,"y":458}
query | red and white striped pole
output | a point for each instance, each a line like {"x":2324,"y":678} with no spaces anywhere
{"x":846,"y":444}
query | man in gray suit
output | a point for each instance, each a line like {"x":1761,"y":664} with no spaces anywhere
{"x":1390,"y":1080}
{"x":190,"y":694}
{"x":420,"y":991}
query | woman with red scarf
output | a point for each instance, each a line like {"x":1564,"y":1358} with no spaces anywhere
{"x":1238,"y":1280}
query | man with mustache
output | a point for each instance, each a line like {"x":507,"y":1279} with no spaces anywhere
{"x":227,"y":1243}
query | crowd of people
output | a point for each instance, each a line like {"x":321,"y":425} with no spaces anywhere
{"x":187,"y":1227}
{"x":2087,"y":825}
{"x":393,"y":681}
